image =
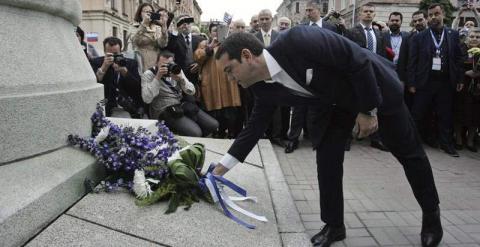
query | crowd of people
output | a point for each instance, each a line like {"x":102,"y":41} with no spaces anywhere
{"x":169,"y":72}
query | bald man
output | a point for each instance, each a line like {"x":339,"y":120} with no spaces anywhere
{"x":284,"y":23}
{"x":254,"y":27}
{"x":238,"y":26}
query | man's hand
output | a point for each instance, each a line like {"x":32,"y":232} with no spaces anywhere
{"x":214,"y":43}
{"x":107,"y":62}
{"x":122,"y":70}
{"x":219,"y":170}
{"x":162,"y":71}
{"x":412,"y":89}
{"x":366,"y":125}
{"x":194,"y":68}
{"x":459,"y":87}
{"x":177,"y":77}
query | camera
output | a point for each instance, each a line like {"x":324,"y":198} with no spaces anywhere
{"x":173,"y":68}
{"x":119,"y":60}
{"x":155,"y":16}
{"x":336,"y":14}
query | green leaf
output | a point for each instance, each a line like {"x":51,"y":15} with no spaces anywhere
{"x":173,"y":203}
{"x":162,"y":193}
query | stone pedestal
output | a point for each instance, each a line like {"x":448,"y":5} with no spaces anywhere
{"x":47,"y":91}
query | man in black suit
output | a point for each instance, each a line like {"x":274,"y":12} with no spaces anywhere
{"x":278,"y":129}
{"x":183,"y":45}
{"x":397,"y":41}
{"x":347,"y":87}
{"x":435,"y":70}
{"x":120,"y":79}
{"x":372,"y":39}
{"x":299,"y":113}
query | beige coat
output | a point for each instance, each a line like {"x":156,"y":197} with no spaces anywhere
{"x":148,"y":42}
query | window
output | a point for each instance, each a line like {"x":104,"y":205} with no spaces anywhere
{"x":113,"y":5}
{"x":325,"y":7}
{"x":124,"y":7}
{"x":125,"y":36}
{"x":114,"y":31}
{"x":297,"y":7}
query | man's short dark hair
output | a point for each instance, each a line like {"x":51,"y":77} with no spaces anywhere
{"x":314,"y":3}
{"x":236,"y":42}
{"x":395,"y":13}
{"x":418,"y":12}
{"x":165,"y":54}
{"x":112,"y":41}
{"x":434,"y":5}
{"x":368,"y":5}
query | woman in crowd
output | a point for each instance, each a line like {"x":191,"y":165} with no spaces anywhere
{"x":149,"y":33}
{"x":162,"y":87}
{"x":89,"y":49}
{"x":220,"y":96}
{"x":468,"y":99}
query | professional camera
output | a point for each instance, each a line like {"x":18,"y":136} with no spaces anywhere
{"x":119,"y":60}
{"x":173,"y":68}
{"x":155,"y":16}
{"x":336,"y":14}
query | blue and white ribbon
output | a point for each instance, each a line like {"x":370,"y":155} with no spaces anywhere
{"x":209,"y":181}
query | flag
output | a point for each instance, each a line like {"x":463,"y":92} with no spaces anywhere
{"x":92,"y":37}
{"x":227,"y":18}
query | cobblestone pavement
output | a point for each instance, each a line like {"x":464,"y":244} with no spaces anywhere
{"x":380,"y":209}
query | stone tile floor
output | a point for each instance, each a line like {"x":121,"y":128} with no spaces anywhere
{"x":380,"y":209}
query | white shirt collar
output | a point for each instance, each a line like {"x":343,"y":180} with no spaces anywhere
{"x":269,"y":32}
{"x":363,"y":26}
{"x":272,"y":65}
{"x":319,"y":22}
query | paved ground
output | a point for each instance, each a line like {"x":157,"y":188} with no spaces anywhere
{"x":380,"y":209}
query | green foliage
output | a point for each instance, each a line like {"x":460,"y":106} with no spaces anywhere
{"x":447,"y":6}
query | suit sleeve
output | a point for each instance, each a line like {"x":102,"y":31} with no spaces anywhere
{"x":459,"y":58}
{"x":343,"y":56}
{"x":257,"y":124}
{"x":412,"y":61}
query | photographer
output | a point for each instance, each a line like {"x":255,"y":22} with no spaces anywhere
{"x":149,"y":35}
{"x":120,"y":78}
{"x":162,"y":87}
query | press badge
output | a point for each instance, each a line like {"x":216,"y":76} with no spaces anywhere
{"x":437,"y":63}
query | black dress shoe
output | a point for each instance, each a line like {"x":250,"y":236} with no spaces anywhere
{"x":328,"y":235}
{"x":450,"y":151}
{"x":291,"y":146}
{"x":472,"y":148}
{"x":378,"y":145}
{"x":432,"y":231}
{"x":278,"y":142}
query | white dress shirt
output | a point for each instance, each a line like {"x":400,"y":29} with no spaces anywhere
{"x":278,"y":75}
{"x":396,"y":43}
{"x":366,"y":37}
{"x":267,"y":37}
{"x":319,"y":23}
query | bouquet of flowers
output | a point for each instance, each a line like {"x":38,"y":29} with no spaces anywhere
{"x":152,"y":166}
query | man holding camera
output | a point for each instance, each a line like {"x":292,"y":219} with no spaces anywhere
{"x":120,"y":78}
{"x":163,"y":87}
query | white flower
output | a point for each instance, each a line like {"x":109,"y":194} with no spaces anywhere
{"x":140,"y":185}
{"x":102,"y":135}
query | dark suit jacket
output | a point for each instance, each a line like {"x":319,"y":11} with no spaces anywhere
{"x":420,"y":58}
{"x":177,"y":45}
{"x":129,"y":85}
{"x":326,"y":25}
{"x":357,"y":35}
{"x":403,"y":56}
{"x":272,"y":38}
{"x":352,"y":79}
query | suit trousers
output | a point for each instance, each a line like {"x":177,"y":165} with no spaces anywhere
{"x":399,"y":134}
{"x":439,"y":95}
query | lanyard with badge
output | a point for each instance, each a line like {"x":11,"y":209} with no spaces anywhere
{"x":437,"y":61}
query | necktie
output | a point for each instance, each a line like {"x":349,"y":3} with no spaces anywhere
{"x":369,"y":39}
{"x":266,"y":39}
{"x":187,"y":40}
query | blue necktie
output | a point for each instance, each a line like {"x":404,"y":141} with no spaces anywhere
{"x":369,"y":39}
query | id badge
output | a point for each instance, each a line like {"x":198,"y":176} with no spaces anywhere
{"x":437,"y":63}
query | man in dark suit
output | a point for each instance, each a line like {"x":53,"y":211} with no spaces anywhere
{"x":120,"y":78}
{"x":183,"y":45}
{"x":372,"y":39}
{"x":347,"y":86}
{"x":397,"y":41}
{"x":278,"y":129}
{"x":299,"y":113}
{"x":435,"y":70}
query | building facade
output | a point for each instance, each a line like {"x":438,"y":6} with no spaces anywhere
{"x":104,"y":18}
